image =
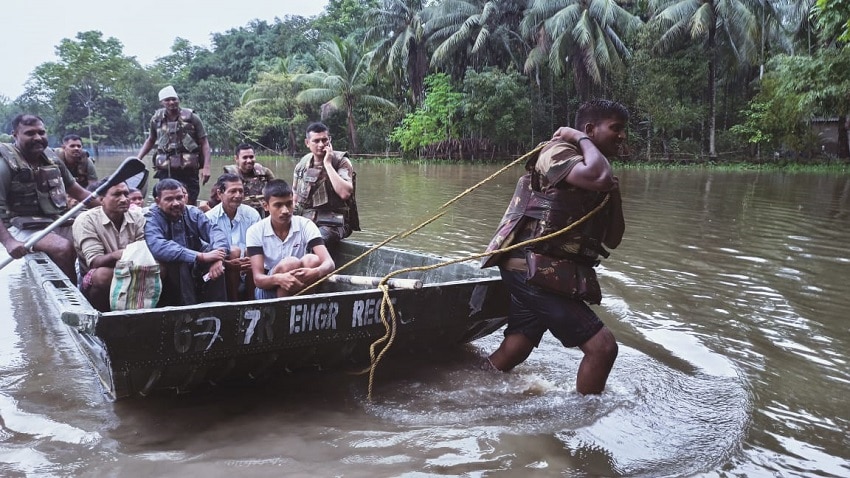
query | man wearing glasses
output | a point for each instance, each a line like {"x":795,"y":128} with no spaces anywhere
{"x":324,"y":187}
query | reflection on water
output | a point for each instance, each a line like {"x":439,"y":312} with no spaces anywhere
{"x":728,"y":297}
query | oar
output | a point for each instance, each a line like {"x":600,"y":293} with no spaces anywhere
{"x":374,"y":281}
{"x":127,"y":169}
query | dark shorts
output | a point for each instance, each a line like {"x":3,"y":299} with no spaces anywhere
{"x":534,"y":311}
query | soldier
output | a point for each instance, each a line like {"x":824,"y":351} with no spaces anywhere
{"x":77,"y":160}
{"x":182,"y":148}
{"x":35,"y":186}
{"x":552,"y":282}
{"x":254,"y":176}
{"x":324,"y":187}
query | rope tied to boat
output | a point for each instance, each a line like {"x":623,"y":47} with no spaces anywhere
{"x":391,"y":326}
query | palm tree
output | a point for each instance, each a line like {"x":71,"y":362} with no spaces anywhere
{"x":730,"y":26}
{"x":398,"y":28}
{"x":484,"y":31}
{"x":343,"y":84}
{"x":585,"y":35}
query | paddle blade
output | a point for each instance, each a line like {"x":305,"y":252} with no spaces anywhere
{"x":126,"y":170}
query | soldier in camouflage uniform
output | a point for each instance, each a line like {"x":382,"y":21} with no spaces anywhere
{"x":553,"y":281}
{"x":77,"y":160}
{"x":182,"y":148}
{"x":254,"y":176}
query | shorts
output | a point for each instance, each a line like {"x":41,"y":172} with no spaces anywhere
{"x":533,"y":311}
{"x":260,"y":294}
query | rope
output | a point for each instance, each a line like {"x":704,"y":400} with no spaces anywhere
{"x":440,"y":212}
{"x":391,"y":327}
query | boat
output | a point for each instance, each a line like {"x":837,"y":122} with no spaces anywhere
{"x":137,"y":353}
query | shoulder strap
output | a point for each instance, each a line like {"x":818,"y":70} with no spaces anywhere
{"x":10,"y":155}
{"x":186,"y":114}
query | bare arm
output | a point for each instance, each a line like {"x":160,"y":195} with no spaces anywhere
{"x":308,"y":275}
{"x":342,"y":187}
{"x":147,"y":146}
{"x":594,"y":172}
{"x":14,"y":247}
{"x":206,"y":159}
{"x":81,"y":194}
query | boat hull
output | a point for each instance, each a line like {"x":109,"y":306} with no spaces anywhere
{"x":141,"y":352}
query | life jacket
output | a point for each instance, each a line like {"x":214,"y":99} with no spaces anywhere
{"x":317,"y":199}
{"x":253,"y":185}
{"x":80,"y":171}
{"x":176,"y":147}
{"x":34,"y":192}
{"x":551,"y":208}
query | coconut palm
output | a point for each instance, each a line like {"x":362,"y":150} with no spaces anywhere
{"x":343,"y":84}
{"x":483,"y":31}
{"x":398,"y":30}
{"x":732,"y":27}
{"x":583,"y":35}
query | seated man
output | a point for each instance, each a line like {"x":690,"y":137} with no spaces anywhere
{"x":34,"y":182}
{"x":287,"y":252}
{"x":254,"y":176}
{"x":189,"y":248}
{"x":234,"y":218}
{"x":137,"y":200}
{"x":100,"y":236}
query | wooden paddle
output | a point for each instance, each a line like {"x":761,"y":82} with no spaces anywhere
{"x":127,"y":169}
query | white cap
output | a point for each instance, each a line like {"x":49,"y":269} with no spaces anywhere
{"x":167,"y":92}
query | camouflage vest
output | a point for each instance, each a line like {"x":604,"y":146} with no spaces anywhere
{"x":253,"y":185}
{"x":317,"y":199}
{"x":34,"y":192}
{"x":553,"y":208}
{"x":176,"y":147}
{"x":81,"y":171}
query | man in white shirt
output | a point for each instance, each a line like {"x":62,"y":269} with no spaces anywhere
{"x":287,"y":252}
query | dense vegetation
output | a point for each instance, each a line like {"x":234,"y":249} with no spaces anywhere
{"x":479,"y":79}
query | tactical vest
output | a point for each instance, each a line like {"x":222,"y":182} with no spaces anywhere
{"x":253,"y":185}
{"x":317,"y":199}
{"x":80,"y":172}
{"x":553,"y":208}
{"x":176,"y":147}
{"x":39,"y":192}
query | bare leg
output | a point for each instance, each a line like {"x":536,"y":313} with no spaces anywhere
{"x":515,"y":348}
{"x":600,"y":351}
{"x":98,"y":293}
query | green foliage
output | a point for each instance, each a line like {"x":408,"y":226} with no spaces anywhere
{"x":268,"y":113}
{"x":436,"y":120}
{"x":343,"y":84}
{"x":213,"y":100}
{"x":833,"y":18}
{"x":497,"y":106}
{"x":91,"y":74}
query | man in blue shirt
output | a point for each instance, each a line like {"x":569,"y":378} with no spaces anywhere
{"x":190,"y":249}
{"x":234,"y":218}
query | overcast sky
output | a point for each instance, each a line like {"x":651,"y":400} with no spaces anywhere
{"x":146,"y":28}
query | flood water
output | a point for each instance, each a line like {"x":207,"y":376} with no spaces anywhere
{"x":728,"y":297}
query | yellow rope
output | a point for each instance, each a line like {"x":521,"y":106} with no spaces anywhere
{"x":439,"y":214}
{"x":390,"y":327}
